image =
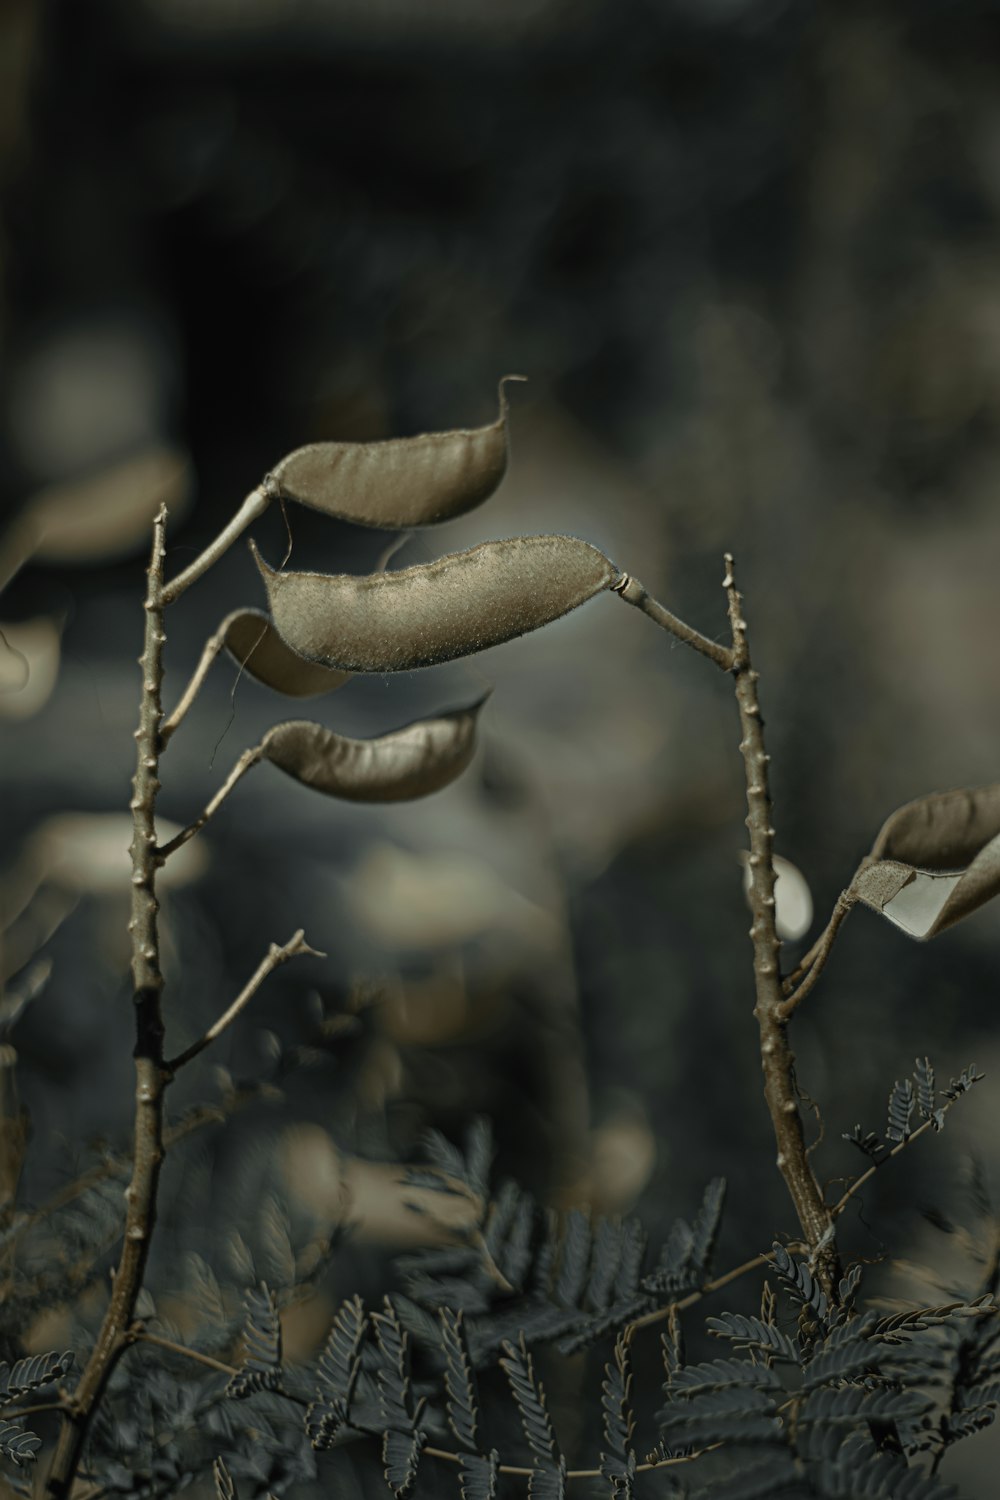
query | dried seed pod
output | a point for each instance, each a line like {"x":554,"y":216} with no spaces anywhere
{"x":935,"y":860}
{"x":410,"y":762}
{"x":254,"y":643}
{"x":401,"y":482}
{"x":457,"y":605}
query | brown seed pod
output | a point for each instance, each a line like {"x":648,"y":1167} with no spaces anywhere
{"x":253,"y":642}
{"x":410,"y":762}
{"x":935,"y":860}
{"x":401,"y":482}
{"x":455,"y":606}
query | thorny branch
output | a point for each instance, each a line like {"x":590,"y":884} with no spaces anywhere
{"x":777,"y":1059}
{"x":147,"y":982}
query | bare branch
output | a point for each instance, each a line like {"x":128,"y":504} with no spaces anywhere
{"x":138,"y":1334}
{"x":798,"y":984}
{"x":633,"y":592}
{"x":777,"y":1059}
{"x":869,"y":1173}
{"x":247,"y":760}
{"x":212,"y":648}
{"x":715,"y":1285}
{"x":150,"y":1077}
{"x":295,"y":947}
{"x":253,"y":507}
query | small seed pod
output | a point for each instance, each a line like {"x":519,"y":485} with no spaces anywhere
{"x":410,"y":762}
{"x":935,"y":860}
{"x":455,"y":606}
{"x":401,"y":482}
{"x":254,"y":643}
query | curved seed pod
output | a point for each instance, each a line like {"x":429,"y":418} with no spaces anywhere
{"x":935,"y":860}
{"x":403,"y":482}
{"x":411,"y":762}
{"x":253,"y":642}
{"x":457,"y":605}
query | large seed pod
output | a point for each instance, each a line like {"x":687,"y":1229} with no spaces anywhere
{"x":411,"y":762}
{"x":253,"y":642}
{"x":402,"y":482}
{"x":460,"y":604}
{"x":935,"y":860}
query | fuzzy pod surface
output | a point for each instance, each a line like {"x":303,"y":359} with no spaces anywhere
{"x":434,"y":612}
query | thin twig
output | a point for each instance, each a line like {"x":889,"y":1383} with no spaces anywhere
{"x":136,"y":1334}
{"x":246,"y":762}
{"x":294,"y":948}
{"x":213,"y":646}
{"x":253,"y":507}
{"x":798,"y":984}
{"x":866,"y":1176}
{"x":777,"y":1058}
{"x":31,"y":1411}
{"x":716,"y":1285}
{"x":633,"y":592}
{"x":523,"y":1473}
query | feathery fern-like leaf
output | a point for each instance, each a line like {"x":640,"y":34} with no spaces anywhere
{"x":574,"y":1259}
{"x":800,"y":1283}
{"x":530,"y":1400}
{"x":705,"y":1229}
{"x":718,"y":1374}
{"x":225,"y":1487}
{"x":337,"y":1367}
{"x":30,"y":1374}
{"x":478,"y":1476}
{"x":401,"y":1455}
{"x":901,"y":1102}
{"x":459,"y":1383}
{"x":923,"y":1077}
{"x":261,"y":1367}
{"x":17,"y":1443}
{"x":752,"y":1333}
{"x":548,"y":1483}
{"x":618,"y":1459}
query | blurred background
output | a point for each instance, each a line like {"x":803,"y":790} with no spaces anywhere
{"x":748,"y":254}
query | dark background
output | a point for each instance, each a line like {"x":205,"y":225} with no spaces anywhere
{"x":748,"y":253}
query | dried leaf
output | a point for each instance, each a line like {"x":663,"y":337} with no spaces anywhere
{"x":793,"y":906}
{"x":254,"y":643}
{"x":411,"y":762}
{"x":403,"y":482}
{"x":935,"y":860}
{"x":457,"y":605}
{"x":105,"y":515}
